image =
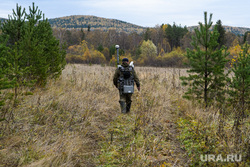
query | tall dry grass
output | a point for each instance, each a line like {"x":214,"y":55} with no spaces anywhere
{"x":76,"y":121}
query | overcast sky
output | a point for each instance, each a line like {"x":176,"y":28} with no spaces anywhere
{"x":147,"y":13}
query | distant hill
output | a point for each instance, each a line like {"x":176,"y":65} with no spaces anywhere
{"x":235,"y":30}
{"x":83,"y":21}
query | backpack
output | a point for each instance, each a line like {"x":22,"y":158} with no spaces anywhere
{"x":126,"y":79}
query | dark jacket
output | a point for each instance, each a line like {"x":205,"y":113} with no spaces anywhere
{"x":118,"y":73}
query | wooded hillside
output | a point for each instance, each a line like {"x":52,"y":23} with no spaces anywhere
{"x":234,"y":30}
{"x":93,"y":23}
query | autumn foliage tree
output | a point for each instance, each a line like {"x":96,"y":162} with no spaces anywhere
{"x":148,"y":52}
{"x":82,"y":54}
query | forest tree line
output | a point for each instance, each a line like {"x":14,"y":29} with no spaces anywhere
{"x":163,"y":45}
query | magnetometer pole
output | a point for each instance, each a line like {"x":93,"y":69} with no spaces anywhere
{"x":117,"y":50}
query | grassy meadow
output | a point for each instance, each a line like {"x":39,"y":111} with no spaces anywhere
{"x":76,"y":121}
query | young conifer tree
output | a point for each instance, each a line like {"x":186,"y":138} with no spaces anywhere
{"x":240,"y":86}
{"x":12,"y":29}
{"x":206,"y":74}
{"x":35,"y":51}
{"x":4,"y":82}
{"x":11,"y":38}
{"x":4,"y":70}
{"x":45,"y":55}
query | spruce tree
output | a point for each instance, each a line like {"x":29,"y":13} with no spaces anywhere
{"x":174,"y":35}
{"x":246,"y":36}
{"x":206,"y":75}
{"x":221,"y":31}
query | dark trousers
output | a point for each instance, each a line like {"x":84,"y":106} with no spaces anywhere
{"x":125,"y":102}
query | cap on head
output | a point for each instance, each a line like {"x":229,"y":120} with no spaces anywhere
{"x":125,"y":59}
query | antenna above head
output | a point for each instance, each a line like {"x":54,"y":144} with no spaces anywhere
{"x":117,"y":49}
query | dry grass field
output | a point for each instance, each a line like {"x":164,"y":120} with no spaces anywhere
{"x":76,"y":121}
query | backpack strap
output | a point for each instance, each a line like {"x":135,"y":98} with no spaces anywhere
{"x":131,"y":68}
{"x":119,"y":66}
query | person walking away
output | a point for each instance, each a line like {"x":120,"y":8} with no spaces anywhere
{"x":124,"y":79}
